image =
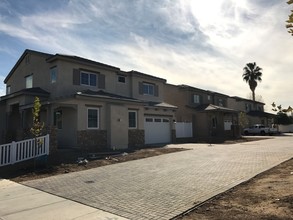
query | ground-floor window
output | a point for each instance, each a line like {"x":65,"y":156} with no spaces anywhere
{"x":132,"y":119}
{"x":58,"y":119}
{"x":93,"y":118}
{"x":214,"y":122}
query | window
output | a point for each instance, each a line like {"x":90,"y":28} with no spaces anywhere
{"x":88,"y":79}
{"x":149,"y":120}
{"x":29,"y":81}
{"x":158,"y":120}
{"x":248,"y":107}
{"x":93,"y":118}
{"x":209,"y":97}
{"x":196,"y":99}
{"x":58,"y":119}
{"x":214,"y":122}
{"x":221,"y":103}
{"x":53,"y":74}
{"x":121,"y":79}
{"x":8,"y":90}
{"x":166,"y":120}
{"x":27,"y":59}
{"x":132,"y":119}
{"x":148,"y":89}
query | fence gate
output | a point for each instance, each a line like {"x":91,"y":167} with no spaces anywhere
{"x":183,"y":129}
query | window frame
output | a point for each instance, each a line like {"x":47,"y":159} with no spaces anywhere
{"x":221,"y":102}
{"x":89,"y":79}
{"x":98,"y":118}
{"x":196,"y":99}
{"x":29,"y":86}
{"x":53,"y":70}
{"x":121,"y":77}
{"x":214,"y":122}
{"x":135,"y":112}
{"x":146,"y":89}
{"x":58,"y":120}
{"x":8,"y":89}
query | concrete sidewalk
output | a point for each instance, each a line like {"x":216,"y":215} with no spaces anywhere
{"x":18,"y":202}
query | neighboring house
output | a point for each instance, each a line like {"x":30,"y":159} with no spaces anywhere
{"x":206,"y":111}
{"x":91,"y":104}
{"x":254,"y":110}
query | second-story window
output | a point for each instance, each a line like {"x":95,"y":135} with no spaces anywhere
{"x":221,"y":102}
{"x":248,"y":107}
{"x":8,"y":90}
{"x":29,"y":81}
{"x":196,"y":99}
{"x":121,"y":79}
{"x":53,"y":74}
{"x":88,"y":79}
{"x":148,"y":89}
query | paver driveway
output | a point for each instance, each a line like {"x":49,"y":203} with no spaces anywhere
{"x":164,"y":186}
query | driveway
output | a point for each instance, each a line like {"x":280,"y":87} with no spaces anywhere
{"x":163,"y":187}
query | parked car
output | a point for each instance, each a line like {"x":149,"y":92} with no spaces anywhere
{"x":274,"y":129}
{"x":260,"y":129}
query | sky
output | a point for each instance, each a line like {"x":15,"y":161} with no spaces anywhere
{"x":204,"y":44}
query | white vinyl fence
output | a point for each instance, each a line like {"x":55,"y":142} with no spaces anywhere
{"x":286,"y":128}
{"x":23,"y":150}
{"x":183,"y":129}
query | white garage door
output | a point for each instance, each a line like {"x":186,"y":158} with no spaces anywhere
{"x":157,"y":130}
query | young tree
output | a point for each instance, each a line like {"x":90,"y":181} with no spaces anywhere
{"x":251,"y":75}
{"x":290,"y":20}
{"x":37,"y":126}
{"x":243,"y":120}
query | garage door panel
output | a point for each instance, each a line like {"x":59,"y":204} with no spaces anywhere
{"x":157,"y":130}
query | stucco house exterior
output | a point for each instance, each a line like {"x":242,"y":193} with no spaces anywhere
{"x":91,"y":104}
{"x":254,"y":110}
{"x":207,"y":111}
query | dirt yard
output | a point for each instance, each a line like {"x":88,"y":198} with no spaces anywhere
{"x":267,"y":196}
{"x":65,"y":161}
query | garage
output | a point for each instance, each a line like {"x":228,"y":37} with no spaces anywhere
{"x":157,"y":130}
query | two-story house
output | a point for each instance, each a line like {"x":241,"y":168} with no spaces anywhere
{"x":254,"y":110}
{"x":207,"y":111}
{"x":91,"y":104}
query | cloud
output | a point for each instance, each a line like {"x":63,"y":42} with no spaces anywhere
{"x":186,"y":42}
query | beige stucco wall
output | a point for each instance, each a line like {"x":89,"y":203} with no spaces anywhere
{"x":64,"y":84}
{"x":135,"y":80}
{"x":31,"y":64}
{"x":113,"y":117}
{"x":240,"y":105}
{"x":117,"y":126}
{"x":180,"y":98}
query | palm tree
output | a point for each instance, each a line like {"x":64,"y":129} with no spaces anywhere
{"x":252,"y":74}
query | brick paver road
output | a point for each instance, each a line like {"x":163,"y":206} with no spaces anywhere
{"x":164,"y":186}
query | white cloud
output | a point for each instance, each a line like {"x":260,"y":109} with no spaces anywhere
{"x":185,"y":42}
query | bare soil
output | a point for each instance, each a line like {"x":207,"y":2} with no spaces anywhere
{"x":268,"y":195}
{"x":65,"y":161}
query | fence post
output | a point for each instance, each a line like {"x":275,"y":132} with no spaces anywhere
{"x":47,"y":144}
{"x":13,"y":152}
